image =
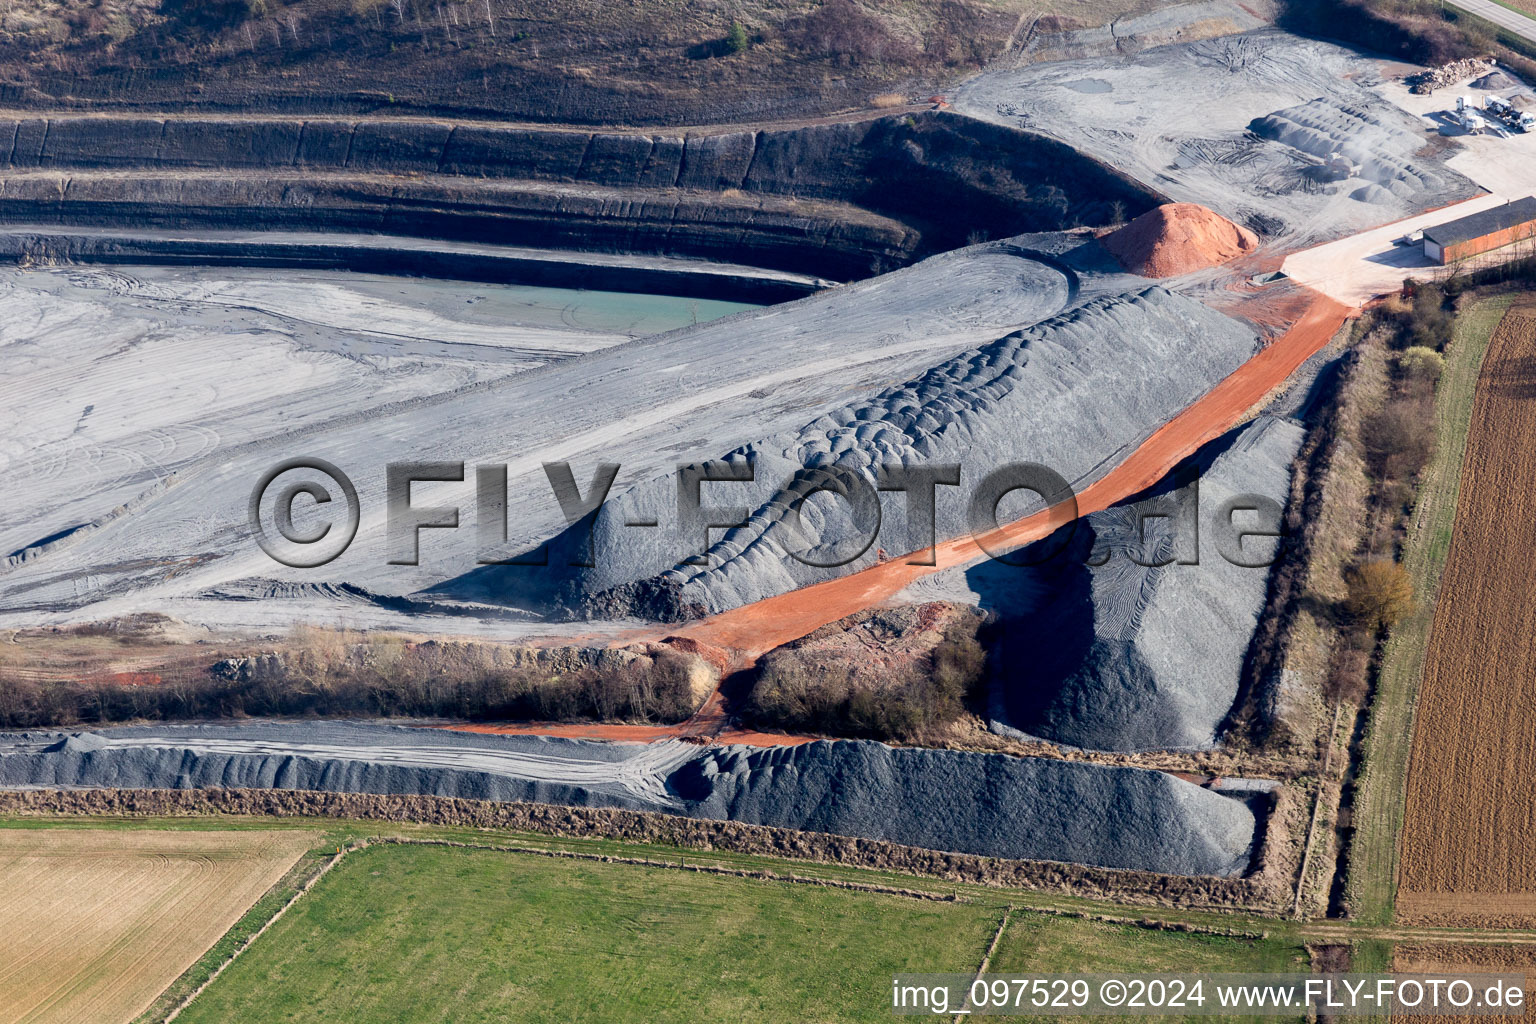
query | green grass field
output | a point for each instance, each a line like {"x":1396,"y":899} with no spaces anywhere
{"x":427,"y":933}
{"x":1379,"y":808}
{"x":431,"y":933}
{"x":1035,"y":942}
{"x":1041,"y":943}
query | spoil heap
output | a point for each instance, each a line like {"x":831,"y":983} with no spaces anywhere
{"x":1139,"y":642}
{"x":1430,"y":79}
{"x":1176,"y":239}
{"x":1025,"y":808}
{"x":1069,"y":392}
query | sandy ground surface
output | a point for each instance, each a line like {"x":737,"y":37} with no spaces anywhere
{"x":1469,"y":833}
{"x":1239,"y":124}
{"x":1359,"y":268}
{"x":94,"y":924}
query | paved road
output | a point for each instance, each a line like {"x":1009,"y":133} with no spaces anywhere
{"x":1503,"y":17}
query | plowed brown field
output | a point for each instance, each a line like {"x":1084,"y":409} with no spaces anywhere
{"x":94,"y":924}
{"x":1446,"y":959}
{"x":1469,"y":836}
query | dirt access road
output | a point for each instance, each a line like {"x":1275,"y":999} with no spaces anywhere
{"x":758,"y":628}
{"x":1469,"y":835}
{"x":753,"y":630}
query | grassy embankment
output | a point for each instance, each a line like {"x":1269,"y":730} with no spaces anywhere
{"x":1379,"y":807}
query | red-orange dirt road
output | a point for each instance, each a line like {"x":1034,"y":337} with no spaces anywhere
{"x":758,"y":628}
{"x":755,"y":629}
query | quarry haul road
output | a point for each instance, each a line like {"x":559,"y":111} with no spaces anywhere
{"x":758,"y":628}
{"x":752,"y":630}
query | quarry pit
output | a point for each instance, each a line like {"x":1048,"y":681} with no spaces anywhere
{"x":1073,"y":261}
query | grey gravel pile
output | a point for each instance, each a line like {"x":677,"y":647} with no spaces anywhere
{"x":1074,"y":393}
{"x":1377,"y":141}
{"x":1496,"y":80}
{"x":1131,"y":655}
{"x":1038,"y":808}
{"x":987,"y":804}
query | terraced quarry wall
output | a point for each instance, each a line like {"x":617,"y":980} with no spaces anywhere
{"x":1469,"y":834}
{"x":843,"y":199}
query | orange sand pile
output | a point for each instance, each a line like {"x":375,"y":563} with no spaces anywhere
{"x":1176,"y":239}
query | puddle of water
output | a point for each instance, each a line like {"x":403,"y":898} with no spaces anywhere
{"x":592,"y":310}
{"x":1089,"y":85}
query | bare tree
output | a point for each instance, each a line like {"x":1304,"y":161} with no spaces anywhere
{"x":490,"y":19}
{"x":1380,"y":593}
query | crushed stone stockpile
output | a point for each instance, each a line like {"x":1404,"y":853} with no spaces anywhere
{"x":1055,"y":810}
{"x":1074,"y":393}
{"x":1356,"y":143}
{"x":1131,"y":655}
{"x":1243,"y":124}
{"x":989,"y":804}
{"x":1496,"y":80}
{"x":1178,"y":238}
{"x":181,"y":430}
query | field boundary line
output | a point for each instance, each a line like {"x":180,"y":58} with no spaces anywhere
{"x":681,"y":865}
{"x":258,"y":933}
{"x":1224,"y":923}
{"x":986,"y":961}
{"x":1317,"y":807}
{"x":1151,"y":923}
{"x":1336,"y":930}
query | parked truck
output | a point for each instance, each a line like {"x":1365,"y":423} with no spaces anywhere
{"x":1466,"y":114}
{"x":1501,"y":110}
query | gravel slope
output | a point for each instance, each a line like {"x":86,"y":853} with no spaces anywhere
{"x":646,"y":405}
{"x":1073,"y":393}
{"x":1127,"y":655}
{"x":988,"y":804}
